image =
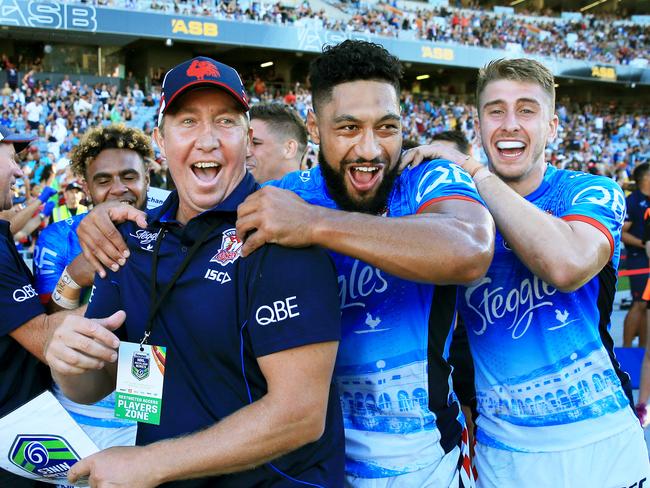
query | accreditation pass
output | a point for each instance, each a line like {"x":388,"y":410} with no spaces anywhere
{"x":139,"y":388}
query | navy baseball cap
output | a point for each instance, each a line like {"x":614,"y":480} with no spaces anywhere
{"x":74,"y":186}
{"x":20,"y":141}
{"x":198,"y":72}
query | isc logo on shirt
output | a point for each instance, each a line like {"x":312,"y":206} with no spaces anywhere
{"x":277,"y":312}
{"x":218,"y":276}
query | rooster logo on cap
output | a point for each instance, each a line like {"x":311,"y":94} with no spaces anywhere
{"x":201,"y":69}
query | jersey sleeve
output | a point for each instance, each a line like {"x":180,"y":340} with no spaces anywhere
{"x":439,"y":180}
{"x":597,"y":201}
{"x":293,"y":300}
{"x":50,"y":259}
{"x":18,"y":300}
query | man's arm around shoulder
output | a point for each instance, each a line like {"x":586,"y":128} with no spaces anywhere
{"x":450,"y":242}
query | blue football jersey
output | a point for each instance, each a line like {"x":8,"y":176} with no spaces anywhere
{"x":546,"y":376}
{"x":56,"y":247}
{"x":400,"y":413}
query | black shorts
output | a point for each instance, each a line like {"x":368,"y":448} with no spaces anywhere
{"x":637,"y":281}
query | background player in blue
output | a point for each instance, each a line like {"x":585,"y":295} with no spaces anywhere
{"x":637,"y":204}
{"x":251,"y":343}
{"x":402,"y":420}
{"x":111,"y":162}
{"x":553,"y":404}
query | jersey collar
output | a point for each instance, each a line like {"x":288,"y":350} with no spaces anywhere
{"x":167,"y":211}
{"x":544,"y":185}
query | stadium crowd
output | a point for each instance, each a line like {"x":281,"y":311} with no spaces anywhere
{"x":599,"y":138}
{"x":590,"y":37}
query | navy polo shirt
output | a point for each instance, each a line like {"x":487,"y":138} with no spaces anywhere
{"x":637,"y":204}
{"x":22,"y":376}
{"x":223,"y":313}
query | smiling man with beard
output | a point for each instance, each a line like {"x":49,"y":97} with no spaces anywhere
{"x":393,"y":237}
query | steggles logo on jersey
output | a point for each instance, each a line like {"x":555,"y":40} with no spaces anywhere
{"x":519,"y":303}
{"x":362,"y":281}
{"x":49,"y":456}
{"x":230,"y":248}
{"x":146,"y":238}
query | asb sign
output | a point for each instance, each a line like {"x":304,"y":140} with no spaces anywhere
{"x":194,"y":28}
{"x":48,"y":15}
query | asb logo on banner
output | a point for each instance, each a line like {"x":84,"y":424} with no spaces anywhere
{"x":49,"y":456}
{"x":230,"y":248}
{"x":140,"y":365}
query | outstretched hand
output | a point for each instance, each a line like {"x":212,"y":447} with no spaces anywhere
{"x":80,"y":345}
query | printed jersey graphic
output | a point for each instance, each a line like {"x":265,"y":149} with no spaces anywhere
{"x":538,"y":352}
{"x":382,"y":366}
{"x":43,"y":455}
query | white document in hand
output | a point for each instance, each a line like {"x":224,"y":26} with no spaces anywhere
{"x":41,"y":441}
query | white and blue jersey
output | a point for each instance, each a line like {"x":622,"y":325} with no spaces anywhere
{"x":56,"y":247}
{"x":546,"y":376}
{"x":399,"y":410}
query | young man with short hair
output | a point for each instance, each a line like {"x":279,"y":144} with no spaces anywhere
{"x":554,"y":406}
{"x":279,"y":141}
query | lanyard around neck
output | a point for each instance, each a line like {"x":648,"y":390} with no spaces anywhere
{"x":156,"y":303}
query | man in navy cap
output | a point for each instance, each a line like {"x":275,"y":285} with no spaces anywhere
{"x":72,"y":206}
{"x":250,"y":343}
{"x":22,"y":377}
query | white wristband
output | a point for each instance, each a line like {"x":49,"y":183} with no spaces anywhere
{"x":63,"y":302}
{"x":67,"y":280}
